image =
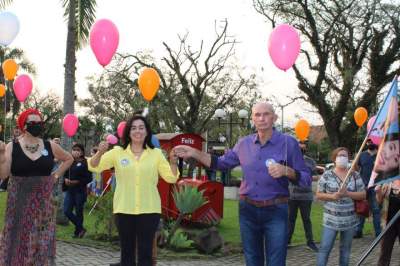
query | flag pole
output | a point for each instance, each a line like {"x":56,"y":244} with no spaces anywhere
{"x":378,"y":238}
{"x":357,"y":157}
{"x":101,"y":195}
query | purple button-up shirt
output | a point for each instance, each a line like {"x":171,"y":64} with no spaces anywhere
{"x":257,"y":184}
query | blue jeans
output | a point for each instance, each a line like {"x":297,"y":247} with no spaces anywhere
{"x":75,"y":200}
{"x":264,"y":232}
{"x":327,"y":242}
{"x":375,"y":209}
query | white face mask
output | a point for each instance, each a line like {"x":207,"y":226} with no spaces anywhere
{"x":342,"y":161}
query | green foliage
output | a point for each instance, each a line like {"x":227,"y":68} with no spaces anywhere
{"x":188,"y":199}
{"x":104,"y":227}
{"x":85,"y":14}
{"x":180,"y":241}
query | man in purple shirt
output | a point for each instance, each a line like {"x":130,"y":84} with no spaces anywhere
{"x":269,"y":161}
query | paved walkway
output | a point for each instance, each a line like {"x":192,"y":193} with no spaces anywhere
{"x":72,"y":254}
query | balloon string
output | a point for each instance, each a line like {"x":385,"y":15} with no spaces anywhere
{"x":5,"y":112}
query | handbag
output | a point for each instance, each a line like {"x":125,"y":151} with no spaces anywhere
{"x":361,"y":207}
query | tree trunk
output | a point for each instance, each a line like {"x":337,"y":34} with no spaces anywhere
{"x":69,"y":89}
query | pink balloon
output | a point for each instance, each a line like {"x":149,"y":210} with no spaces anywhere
{"x":121,"y":128}
{"x":22,"y":87}
{"x":70,"y":124}
{"x":284,"y":46}
{"x":104,"y":39}
{"x":112,"y":139}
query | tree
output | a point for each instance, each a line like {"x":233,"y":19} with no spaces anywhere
{"x":193,"y":85}
{"x":196,"y":82}
{"x":351,"y":53}
{"x":80,"y":16}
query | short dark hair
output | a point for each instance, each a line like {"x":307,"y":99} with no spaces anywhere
{"x":125,"y":136}
{"x":336,"y":151}
{"x":79,"y":146}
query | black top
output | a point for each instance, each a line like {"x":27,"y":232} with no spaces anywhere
{"x":78,"y":171}
{"x":394,"y":206}
{"x":22,"y":165}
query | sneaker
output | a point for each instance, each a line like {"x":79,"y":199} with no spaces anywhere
{"x":311,"y":246}
{"x":358,"y":235}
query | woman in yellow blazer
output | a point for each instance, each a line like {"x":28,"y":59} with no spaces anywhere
{"x":137,"y":204}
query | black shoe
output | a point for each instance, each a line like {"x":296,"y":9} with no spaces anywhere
{"x":312,"y":246}
{"x":115,"y":264}
{"x":358,"y":235}
{"x":82,"y":233}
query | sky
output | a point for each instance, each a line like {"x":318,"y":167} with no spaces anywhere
{"x":144,"y":25}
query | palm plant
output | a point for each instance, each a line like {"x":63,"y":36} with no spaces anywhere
{"x":80,"y":15}
{"x":187,"y":200}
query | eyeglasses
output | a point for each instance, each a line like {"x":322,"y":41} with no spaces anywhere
{"x":32,"y":123}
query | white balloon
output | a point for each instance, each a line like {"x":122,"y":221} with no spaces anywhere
{"x":9,"y":28}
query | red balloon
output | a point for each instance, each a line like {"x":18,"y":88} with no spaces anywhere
{"x":70,"y":124}
{"x":22,"y":87}
{"x":104,"y":39}
{"x":121,"y":128}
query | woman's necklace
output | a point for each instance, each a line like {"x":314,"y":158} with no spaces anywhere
{"x":32,"y":148}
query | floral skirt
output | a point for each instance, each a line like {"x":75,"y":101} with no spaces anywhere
{"x":28,"y":237}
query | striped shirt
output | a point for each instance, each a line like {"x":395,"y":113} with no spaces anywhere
{"x":339,"y":214}
{"x":303,"y":193}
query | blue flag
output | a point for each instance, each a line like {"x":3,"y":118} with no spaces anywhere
{"x":385,"y":131}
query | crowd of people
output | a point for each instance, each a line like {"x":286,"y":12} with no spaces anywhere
{"x":276,"y":184}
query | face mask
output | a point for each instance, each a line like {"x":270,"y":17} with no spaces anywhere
{"x":34,"y":129}
{"x":342,"y":161}
{"x":303,"y":151}
{"x":371,"y":147}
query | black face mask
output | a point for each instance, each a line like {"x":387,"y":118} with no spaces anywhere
{"x":303,"y":151}
{"x":372,"y":147}
{"x":34,"y":129}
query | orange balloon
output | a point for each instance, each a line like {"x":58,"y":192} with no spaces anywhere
{"x":360,"y":116}
{"x":149,"y":83}
{"x":302,"y":129}
{"x":10,"y":69}
{"x":2,"y":90}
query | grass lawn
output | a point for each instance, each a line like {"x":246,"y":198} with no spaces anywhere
{"x":229,"y":226}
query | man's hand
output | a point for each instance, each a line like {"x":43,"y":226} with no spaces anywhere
{"x":184,"y":151}
{"x":277,"y":170}
{"x":67,"y":182}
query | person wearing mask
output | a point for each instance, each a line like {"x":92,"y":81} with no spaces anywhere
{"x":339,"y":214}
{"x":75,"y":181}
{"x":137,"y":204}
{"x":366,"y":164}
{"x":392,"y":193}
{"x":269,"y":160}
{"x":302,"y":198}
{"x":28,"y":236}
